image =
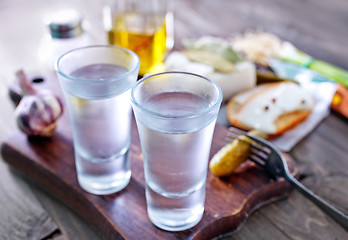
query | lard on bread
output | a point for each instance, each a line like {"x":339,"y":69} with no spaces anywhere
{"x":272,"y":108}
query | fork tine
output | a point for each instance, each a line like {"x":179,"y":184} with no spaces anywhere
{"x":257,"y":147}
{"x":230,"y":138}
{"x":261,"y":156}
{"x":257,"y":161}
{"x":236,"y":133}
{"x":258,"y":140}
{"x":261,"y":148}
{"x":233,"y":135}
{"x":258,"y":157}
{"x":258,"y":153}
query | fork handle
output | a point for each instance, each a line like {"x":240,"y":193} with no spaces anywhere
{"x":333,"y":212}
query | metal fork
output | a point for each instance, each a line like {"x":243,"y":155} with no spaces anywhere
{"x":268,"y":156}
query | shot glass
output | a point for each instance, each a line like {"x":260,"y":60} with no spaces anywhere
{"x":96,"y":83}
{"x":175,"y":113}
{"x":145,"y":27}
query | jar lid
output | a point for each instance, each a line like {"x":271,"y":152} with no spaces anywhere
{"x":65,"y":23}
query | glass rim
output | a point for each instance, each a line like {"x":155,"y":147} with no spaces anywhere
{"x":129,"y":72}
{"x":168,"y":116}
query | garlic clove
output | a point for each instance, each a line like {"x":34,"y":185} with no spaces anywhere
{"x":37,"y":114}
{"x":38,"y":111}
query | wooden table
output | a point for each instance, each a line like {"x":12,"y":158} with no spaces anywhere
{"x":318,"y":27}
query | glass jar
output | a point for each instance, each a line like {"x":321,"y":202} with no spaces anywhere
{"x":145,"y":27}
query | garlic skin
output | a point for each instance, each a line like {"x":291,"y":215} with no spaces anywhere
{"x":38,"y":111}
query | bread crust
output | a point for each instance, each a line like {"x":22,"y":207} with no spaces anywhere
{"x":283,"y":123}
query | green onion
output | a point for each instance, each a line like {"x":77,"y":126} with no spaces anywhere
{"x":335,"y":73}
{"x":291,"y":54}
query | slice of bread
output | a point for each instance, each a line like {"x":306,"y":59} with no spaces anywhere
{"x":272,"y":108}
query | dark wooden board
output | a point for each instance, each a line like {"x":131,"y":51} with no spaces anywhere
{"x":50,"y":163}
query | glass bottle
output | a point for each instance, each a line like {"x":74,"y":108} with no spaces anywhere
{"x":65,"y":33}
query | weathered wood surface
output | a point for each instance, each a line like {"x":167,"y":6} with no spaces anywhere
{"x":317,"y":26}
{"x":229,"y":201}
{"x":22,"y":216}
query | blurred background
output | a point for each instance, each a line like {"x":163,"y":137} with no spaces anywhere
{"x":311,"y":25}
{"x":23,"y":25}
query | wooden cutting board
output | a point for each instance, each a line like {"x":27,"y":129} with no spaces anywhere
{"x":50,"y":163}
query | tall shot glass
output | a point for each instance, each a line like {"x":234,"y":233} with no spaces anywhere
{"x":175,"y":114}
{"x":96,"y":83}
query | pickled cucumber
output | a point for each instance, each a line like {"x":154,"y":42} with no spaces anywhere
{"x":232,"y":155}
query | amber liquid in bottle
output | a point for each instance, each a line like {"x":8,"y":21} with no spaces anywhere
{"x":145,"y":34}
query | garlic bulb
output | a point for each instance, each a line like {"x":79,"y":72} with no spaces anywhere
{"x":38,"y":111}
